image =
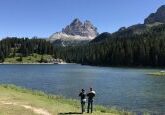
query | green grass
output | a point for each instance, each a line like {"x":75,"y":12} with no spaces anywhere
{"x":51,"y":103}
{"x":34,"y":58}
{"x":157,"y":74}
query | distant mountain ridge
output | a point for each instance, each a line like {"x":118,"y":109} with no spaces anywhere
{"x":84,"y":32}
{"x":159,"y":16}
{"x":75,"y":33}
{"x":153,"y":20}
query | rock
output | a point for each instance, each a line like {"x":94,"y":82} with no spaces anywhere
{"x":159,"y":16}
{"x":63,"y":39}
{"x":122,"y":29}
{"x":85,"y":29}
{"x":76,"y":32}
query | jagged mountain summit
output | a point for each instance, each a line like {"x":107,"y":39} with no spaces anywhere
{"x":75,"y":33}
{"x":85,"y":29}
{"x":159,"y":16}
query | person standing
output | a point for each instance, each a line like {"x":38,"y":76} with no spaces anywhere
{"x":83,"y":100}
{"x":90,"y":96}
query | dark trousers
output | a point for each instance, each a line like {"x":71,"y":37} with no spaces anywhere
{"x":83,"y":107}
{"x":90,"y":106}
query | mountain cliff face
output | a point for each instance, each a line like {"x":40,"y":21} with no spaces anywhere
{"x":159,"y":16}
{"x":75,"y":33}
{"x":85,"y":29}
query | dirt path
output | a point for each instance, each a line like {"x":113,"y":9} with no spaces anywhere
{"x":39,"y":111}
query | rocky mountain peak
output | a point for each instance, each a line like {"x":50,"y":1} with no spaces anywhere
{"x":159,"y":16}
{"x":76,"y":32}
{"x":162,"y":8}
{"x":87,"y":23}
{"x":86,"y":29}
{"x":76,"y":21}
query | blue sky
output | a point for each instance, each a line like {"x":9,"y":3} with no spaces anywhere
{"x":28,"y":18}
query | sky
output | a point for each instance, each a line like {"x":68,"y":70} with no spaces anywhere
{"x":28,"y":18}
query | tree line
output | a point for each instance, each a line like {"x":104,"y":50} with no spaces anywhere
{"x":120,"y":49}
{"x":123,"y":48}
{"x":13,"y":46}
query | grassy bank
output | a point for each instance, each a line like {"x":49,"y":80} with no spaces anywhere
{"x":19,"y":101}
{"x":34,"y":58}
{"x":157,"y":74}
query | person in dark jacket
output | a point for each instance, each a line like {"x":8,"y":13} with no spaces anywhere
{"x":91,"y":94}
{"x":83,"y":100}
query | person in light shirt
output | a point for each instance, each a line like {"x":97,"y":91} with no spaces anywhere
{"x":91,"y":94}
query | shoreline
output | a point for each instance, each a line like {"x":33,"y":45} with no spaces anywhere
{"x":35,"y":63}
{"x":66,"y":63}
{"x":126,"y":67}
{"x":158,"y":74}
{"x":59,"y":103}
{"x":26,"y":63}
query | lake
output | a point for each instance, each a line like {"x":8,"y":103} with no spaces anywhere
{"x":125,"y":88}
